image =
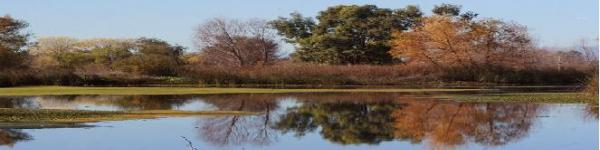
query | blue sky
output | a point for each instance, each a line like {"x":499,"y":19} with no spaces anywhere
{"x":554,"y":23}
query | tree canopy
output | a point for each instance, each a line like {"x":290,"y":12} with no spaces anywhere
{"x":449,"y":41}
{"x":141,"y":56}
{"x":346,"y":34}
{"x":12,"y":42}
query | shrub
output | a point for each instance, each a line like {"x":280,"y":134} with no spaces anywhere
{"x":591,"y":87}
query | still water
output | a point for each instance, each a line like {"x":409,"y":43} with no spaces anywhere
{"x":312,"y":121}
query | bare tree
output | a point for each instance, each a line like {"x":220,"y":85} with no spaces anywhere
{"x":236,"y":130}
{"x":589,"y":51}
{"x":236,"y":43}
{"x":53,"y":45}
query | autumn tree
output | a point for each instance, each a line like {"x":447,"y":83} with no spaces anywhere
{"x":446,"y":41}
{"x":236,"y":43}
{"x":12,"y":42}
{"x":346,"y":34}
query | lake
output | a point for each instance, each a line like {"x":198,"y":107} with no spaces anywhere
{"x":420,"y":120}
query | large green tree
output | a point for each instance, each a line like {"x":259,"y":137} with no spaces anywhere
{"x":346,"y":34}
{"x":157,"y":57}
{"x":452,"y":10}
{"x":12,"y":42}
{"x":108,"y":51}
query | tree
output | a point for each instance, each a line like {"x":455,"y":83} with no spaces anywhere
{"x":108,"y":51}
{"x":437,"y":41}
{"x":589,"y":51}
{"x":450,"y":41}
{"x":446,"y":9}
{"x":236,"y":43}
{"x":12,"y":42}
{"x":157,"y":57}
{"x":346,"y":34}
{"x":54,"y":45}
{"x":64,"y":50}
{"x":99,"y":56}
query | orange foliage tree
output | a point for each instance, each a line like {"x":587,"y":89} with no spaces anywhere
{"x":453,"y":41}
{"x":447,"y":125}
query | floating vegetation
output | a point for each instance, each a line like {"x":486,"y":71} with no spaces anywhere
{"x":66,"y":90}
{"x":19,"y":118}
{"x":571,"y":97}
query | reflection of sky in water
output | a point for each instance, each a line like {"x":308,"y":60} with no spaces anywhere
{"x":195,"y":105}
{"x":105,"y":103}
{"x":289,"y":102}
{"x":550,"y":126}
{"x":563,"y":128}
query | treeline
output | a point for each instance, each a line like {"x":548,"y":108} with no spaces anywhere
{"x":342,"y":45}
{"x":68,"y":61}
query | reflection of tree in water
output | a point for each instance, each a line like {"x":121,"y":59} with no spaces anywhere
{"x":260,"y":129}
{"x":447,"y":124}
{"x":443,"y":124}
{"x":141,"y":102}
{"x":244,"y":102}
{"x":591,"y":109}
{"x":350,"y":118}
{"x":9,"y":137}
{"x":15,"y":102}
{"x":235,"y":130}
{"x":345,"y":123}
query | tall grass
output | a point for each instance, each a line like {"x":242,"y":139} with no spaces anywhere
{"x":591,"y":87}
{"x":315,"y":74}
{"x":288,"y":73}
{"x":499,"y":74}
{"x":309,"y":74}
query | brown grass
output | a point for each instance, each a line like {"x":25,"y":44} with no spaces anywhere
{"x":591,"y":87}
{"x":288,"y":73}
{"x":310,"y":74}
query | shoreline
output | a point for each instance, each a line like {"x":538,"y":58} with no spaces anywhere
{"x":73,"y":90}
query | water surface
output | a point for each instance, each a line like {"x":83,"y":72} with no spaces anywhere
{"x":312,"y":121}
